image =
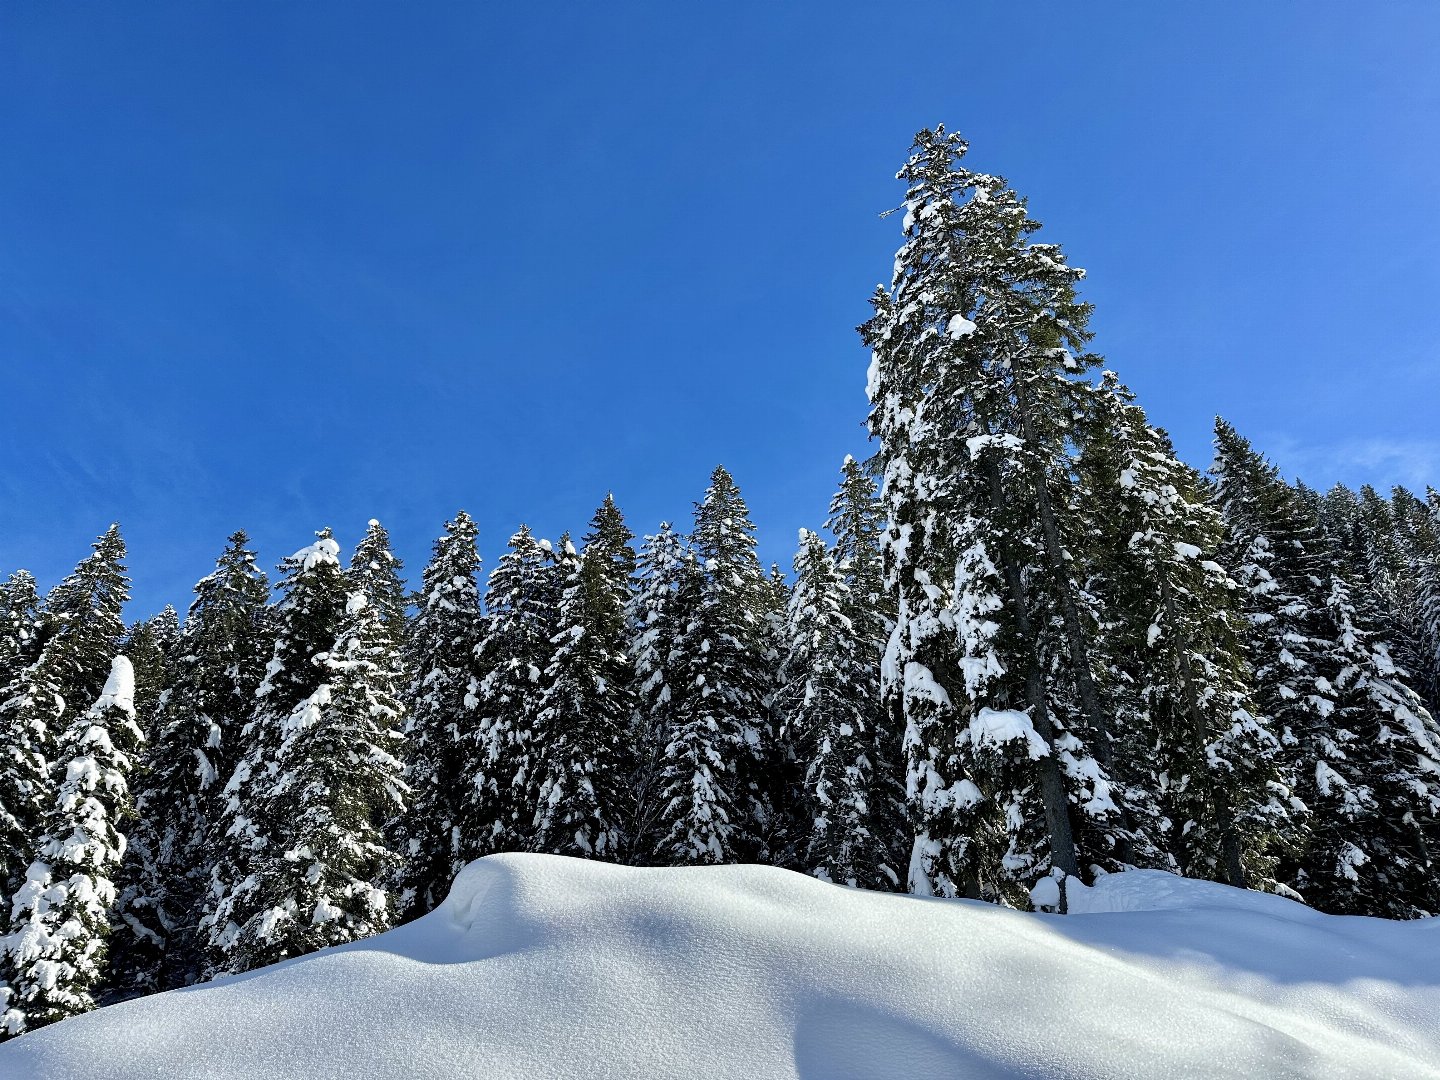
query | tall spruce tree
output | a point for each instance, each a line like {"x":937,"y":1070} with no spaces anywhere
{"x":84,"y":610}
{"x":29,"y":707}
{"x":659,"y":612}
{"x":1193,"y":751}
{"x":584,"y":757}
{"x":54,"y":954}
{"x":19,"y":626}
{"x":857,"y":522}
{"x":1404,"y":539}
{"x":520,"y":616}
{"x":217,"y":665}
{"x":716,"y":779}
{"x":306,"y":622}
{"x":582,"y":753}
{"x":337,"y":780}
{"x":375,"y":571}
{"x":1273,"y":550}
{"x":441,"y":751}
{"x":830,"y":726}
{"x":75,"y":638}
{"x":973,"y":397}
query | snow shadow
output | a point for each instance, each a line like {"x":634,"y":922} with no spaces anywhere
{"x":840,"y":1040}
{"x":1296,"y":948}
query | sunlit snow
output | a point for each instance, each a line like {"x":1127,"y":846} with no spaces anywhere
{"x":538,"y":966}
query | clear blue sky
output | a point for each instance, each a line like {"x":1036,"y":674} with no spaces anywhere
{"x":277,"y":266}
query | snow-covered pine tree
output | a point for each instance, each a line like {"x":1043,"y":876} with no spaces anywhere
{"x":76,"y":638}
{"x":150,"y":645}
{"x":216,"y":667}
{"x":1192,"y":748}
{"x":84,"y":609}
{"x":338,"y":779}
{"x":1349,"y":722}
{"x":133,"y":957}
{"x":441,"y":752}
{"x":19,"y":626}
{"x":828,"y":724}
{"x":54,"y":953}
{"x":28,"y":707}
{"x":306,"y":622}
{"x":375,"y":571}
{"x":857,"y":522}
{"x":1407,"y":537}
{"x":975,"y":348}
{"x":583,"y":756}
{"x":659,"y":612}
{"x":1273,"y":550}
{"x":520,"y":615}
{"x":716,"y":774}
{"x":786,"y":824}
{"x":1376,"y":790}
{"x":1365,"y":538}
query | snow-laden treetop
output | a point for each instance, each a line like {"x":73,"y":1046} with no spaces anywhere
{"x":119,"y":690}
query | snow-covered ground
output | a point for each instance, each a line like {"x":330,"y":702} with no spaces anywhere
{"x":538,"y":966}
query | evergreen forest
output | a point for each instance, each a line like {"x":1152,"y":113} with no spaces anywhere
{"x":1028,"y":645}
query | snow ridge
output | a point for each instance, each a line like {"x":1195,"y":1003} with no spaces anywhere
{"x":541,"y":966}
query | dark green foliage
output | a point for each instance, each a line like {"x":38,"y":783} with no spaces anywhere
{"x":714,"y":780}
{"x":1200,"y":767}
{"x":521,"y":600}
{"x":582,"y":753}
{"x":337,"y":780}
{"x":54,"y":956}
{"x":306,"y":622}
{"x":375,"y":571}
{"x":214,"y":669}
{"x":828,"y":720}
{"x":973,"y":397}
{"x":440,"y":745}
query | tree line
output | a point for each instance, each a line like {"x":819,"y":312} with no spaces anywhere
{"x":1032,"y":646}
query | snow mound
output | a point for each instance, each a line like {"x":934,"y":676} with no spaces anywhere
{"x":539,"y":966}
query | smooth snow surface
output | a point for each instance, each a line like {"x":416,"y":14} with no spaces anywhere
{"x":539,"y":966}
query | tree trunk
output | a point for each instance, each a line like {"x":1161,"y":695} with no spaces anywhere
{"x":1052,"y":783}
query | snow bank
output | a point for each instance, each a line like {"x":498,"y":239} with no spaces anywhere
{"x":539,"y":966}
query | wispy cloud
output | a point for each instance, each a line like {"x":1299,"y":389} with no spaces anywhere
{"x":1381,"y":461}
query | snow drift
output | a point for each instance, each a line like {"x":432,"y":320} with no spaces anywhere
{"x":539,"y":966}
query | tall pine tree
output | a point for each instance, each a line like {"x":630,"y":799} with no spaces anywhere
{"x":75,"y":638}
{"x":973,"y":398}
{"x":829,"y":724}
{"x":1193,"y":750}
{"x":375,"y":571}
{"x":857,"y":522}
{"x":716,"y":777}
{"x":337,"y":781}
{"x":441,"y":751}
{"x":583,"y":754}
{"x":659,"y":612}
{"x":28,"y":708}
{"x":54,"y":954}
{"x":217,"y":665}
{"x":520,"y":617}
{"x":306,"y":622}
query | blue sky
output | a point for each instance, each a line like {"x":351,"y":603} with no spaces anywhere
{"x":278,"y":266}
